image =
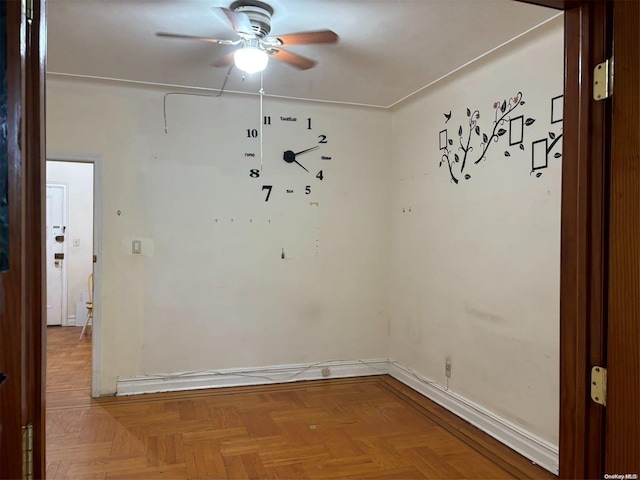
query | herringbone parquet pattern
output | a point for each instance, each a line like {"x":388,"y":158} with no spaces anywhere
{"x":367,"y":428}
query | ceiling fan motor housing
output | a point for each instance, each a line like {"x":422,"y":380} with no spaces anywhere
{"x":259,"y":14}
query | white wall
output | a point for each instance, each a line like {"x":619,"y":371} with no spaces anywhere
{"x":210,"y":290}
{"x":79,"y":261}
{"x":475,"y":265}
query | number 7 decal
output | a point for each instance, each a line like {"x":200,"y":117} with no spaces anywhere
{"x":268,"y":188}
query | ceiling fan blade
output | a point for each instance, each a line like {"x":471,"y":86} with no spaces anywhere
{"x":293,"y":59}
{"x":193,"y":37}
{"x":302,"y":38}
{"x":224,"y":61}
{"x":239,"y":21}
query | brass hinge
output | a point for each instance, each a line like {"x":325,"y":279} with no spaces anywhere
{"x":95,"y":258}
{"x":28,"y":10}
{"x":603,"y":80}
{"x":27,"y":452}
{"x":599,"y":385}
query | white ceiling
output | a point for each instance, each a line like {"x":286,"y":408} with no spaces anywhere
{"x":388,"y":49}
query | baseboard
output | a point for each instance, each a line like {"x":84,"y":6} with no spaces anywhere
{"x":249,"y":376}
{"x":526,"y":444}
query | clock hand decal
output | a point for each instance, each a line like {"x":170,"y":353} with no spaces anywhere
{"x":307,"y":150}
{"x":290,"y":157}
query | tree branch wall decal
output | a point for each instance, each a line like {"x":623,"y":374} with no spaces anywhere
{"x":470,"y":132}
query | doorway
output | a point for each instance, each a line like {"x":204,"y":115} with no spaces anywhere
{"x":72,"y":239}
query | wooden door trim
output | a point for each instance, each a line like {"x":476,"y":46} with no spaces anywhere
{"x":583,"y":258}
{"x":35,"y":197}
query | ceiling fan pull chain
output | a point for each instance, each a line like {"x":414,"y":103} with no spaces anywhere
{"x":261,"y":117}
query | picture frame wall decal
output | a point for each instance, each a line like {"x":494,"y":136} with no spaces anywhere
{"x":539,"y":156}
{"x":516,"y":130}
{"x":557,"y":109}
{"x":443,"y":139}
{"x":474,"y":137}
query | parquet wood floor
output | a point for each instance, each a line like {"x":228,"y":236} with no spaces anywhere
{"x":364,"y":428}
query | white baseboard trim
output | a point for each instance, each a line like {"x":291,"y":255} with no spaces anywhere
{"x":249,"y":376}
{"x":530,"y":446}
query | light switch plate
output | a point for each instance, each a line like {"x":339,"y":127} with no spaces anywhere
{"x":136,"y":247}
{"x":76,"y":241}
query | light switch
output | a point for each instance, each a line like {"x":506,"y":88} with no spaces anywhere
{"x":76,"y":241}
{"x":136,"y":247}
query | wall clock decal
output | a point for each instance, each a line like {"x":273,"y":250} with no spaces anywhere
{"x":297,"y":144}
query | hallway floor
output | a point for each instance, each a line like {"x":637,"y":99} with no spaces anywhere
{"x":364,"y":428}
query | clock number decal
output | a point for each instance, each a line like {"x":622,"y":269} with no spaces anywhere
{"x":307,"y":189}
{"x":322,"y":139}
{"x":320,"y":175}
{"x":252,"y":133}
{"x":254,"y":173}
{"x":268,"y":189}
{"x":267,"y":120}
{"x":308,"y":124}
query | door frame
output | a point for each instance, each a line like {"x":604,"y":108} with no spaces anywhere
{"x":96,"y":161}
{"x":64,"y":320}
{"x":584,"y":234}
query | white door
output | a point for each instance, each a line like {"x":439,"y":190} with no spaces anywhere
{"x":55,"y":252}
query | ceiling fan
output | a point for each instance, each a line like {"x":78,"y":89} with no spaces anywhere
{"x":251,"y":20}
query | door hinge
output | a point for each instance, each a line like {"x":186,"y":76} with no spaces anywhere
{"x":95,"y":258}
{"x":603,"y":80}
{"x":599,"y":385}
{"x":28,"y":9}
{"x":27,"y":452}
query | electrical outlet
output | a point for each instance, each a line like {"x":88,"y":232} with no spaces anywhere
{"x":447,"y":368}
{"x":326,"y":372}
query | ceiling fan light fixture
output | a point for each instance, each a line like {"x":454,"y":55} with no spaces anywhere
{"x":251,"y":59}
